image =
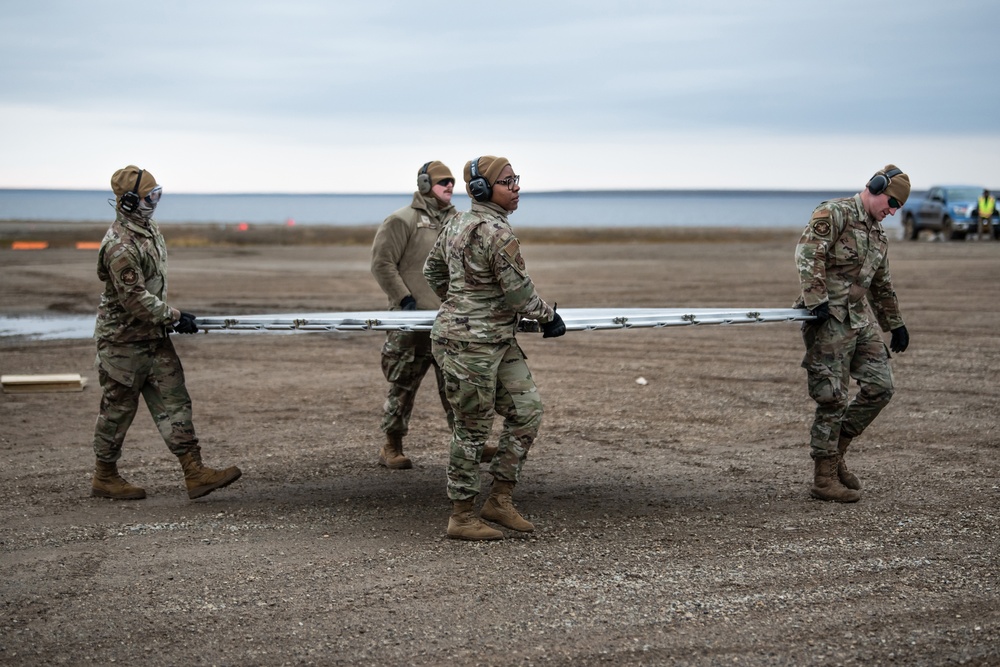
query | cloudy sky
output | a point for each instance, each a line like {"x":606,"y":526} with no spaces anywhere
{"x":323,"y":96}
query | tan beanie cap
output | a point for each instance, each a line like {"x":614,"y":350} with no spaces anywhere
{"x":123,"y":181}
{"x":899,"y":185}
{"x":437,"y":171}
{"x":489,"y":167}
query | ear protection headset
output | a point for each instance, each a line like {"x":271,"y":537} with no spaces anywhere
{"x":424,"y":179}
{"x":130,"y":200}
{"x":479,"y":187}
{"x":881,"y":181}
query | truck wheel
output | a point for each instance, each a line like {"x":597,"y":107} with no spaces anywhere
{"x":910,"y":231}
{"x":948,"y":230}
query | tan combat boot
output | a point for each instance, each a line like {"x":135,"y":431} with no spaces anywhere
{"x":391,"y":455}
{"x":847,"y":478}
{"x":499,"y":508}
{"x":463,"y":524}
{"x":200,"y":480}
{"x":109,"y":484}
{"x":827,"y":486}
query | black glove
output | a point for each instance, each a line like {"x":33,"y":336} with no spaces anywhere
{"x":555,"y":328}
{"x":408,"y":303}
{"x":900,"y":340}
{"x":186,"y":325}
{"x":821,"y":312}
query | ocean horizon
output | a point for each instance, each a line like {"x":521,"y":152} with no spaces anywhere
{"x":584,"y":208}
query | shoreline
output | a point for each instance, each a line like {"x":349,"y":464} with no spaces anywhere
{"x":63,"y":234}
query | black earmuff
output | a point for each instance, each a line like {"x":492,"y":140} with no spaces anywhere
{"x":479,"y":187}
{"x":130,"y":200}
{"x":881,"y":181}
{"x":424,"y":180}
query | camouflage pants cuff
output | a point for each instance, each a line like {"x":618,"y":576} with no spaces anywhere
{"x":824,"y":452}
{"x":181,"y":450}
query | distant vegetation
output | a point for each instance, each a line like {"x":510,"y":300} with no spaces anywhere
{"x":62,"y":234}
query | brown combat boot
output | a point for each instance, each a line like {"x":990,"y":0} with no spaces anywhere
{"x":109,"y":484}
{"x":847,"y":478}
{"x":499,"y":508}
{"x":827,"y":486}
{"x":391,"y":455}
{"x":463,"y":524}
{"x":201,"y":480}
{"x":489,"y":451}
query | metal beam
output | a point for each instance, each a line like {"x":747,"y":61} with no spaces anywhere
{"x":576,"y":319}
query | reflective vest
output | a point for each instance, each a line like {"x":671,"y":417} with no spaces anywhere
{"x":986,"y":206}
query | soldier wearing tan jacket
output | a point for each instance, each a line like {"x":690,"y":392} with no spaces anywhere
{"x":398,"y":254}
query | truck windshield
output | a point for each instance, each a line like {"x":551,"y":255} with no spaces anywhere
{"x":964,"y":194}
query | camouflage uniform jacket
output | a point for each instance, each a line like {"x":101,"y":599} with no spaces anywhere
{"x":401,"y":246}
{"x":842,"y":258}
{"x":132,"y":262}
{"x":476,"y":268}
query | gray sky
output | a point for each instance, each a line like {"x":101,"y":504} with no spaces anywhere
{"x":322,"y":96}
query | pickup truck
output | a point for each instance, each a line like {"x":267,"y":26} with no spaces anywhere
{"x":951,"y":210}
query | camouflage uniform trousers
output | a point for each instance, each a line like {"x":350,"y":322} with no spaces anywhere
{"x":406,"y":357}
{"x":835,"y":353}
{"x":152,"y":369}
{"x":483,"y":379}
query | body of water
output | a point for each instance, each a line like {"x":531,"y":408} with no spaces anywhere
{"x":724,"y":208}
{"x":56,"y":327}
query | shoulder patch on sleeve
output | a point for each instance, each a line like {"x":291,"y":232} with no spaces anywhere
{"x":512,"y":247}
{"x":129,"y":276}
{"x":512,"y":250}
{"x":820,"y":223}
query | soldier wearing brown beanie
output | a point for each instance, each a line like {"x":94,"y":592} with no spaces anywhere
{"x":135,"y":356}
{"x":843,"y":265}
{"x":477,"y":269}
{"x":398,"y":254}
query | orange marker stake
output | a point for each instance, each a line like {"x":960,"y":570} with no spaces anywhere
{"x":29,"y":245}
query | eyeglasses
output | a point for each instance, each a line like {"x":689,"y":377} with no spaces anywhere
{"x":446,"y":181}
{"x":153,"y":198}
{"x":511,"y":182}
{"x":894,"y":203}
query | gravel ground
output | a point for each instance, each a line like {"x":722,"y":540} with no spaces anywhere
{"x":673,"y":519}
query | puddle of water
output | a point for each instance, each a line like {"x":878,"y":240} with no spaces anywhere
{"x":56,"y":327}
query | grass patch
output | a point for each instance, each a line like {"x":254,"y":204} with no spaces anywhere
{"x":193,"y":235}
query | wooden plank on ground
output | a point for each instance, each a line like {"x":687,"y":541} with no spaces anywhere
{"x":30,"y":384}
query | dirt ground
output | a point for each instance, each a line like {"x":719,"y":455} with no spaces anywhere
{"x":673,"y":520}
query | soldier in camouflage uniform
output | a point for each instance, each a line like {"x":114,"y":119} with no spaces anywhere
{"x":477,"y":269}
{"x":842,"y":259}
{"x":135,"y":356}
{"x":398,"y":254}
